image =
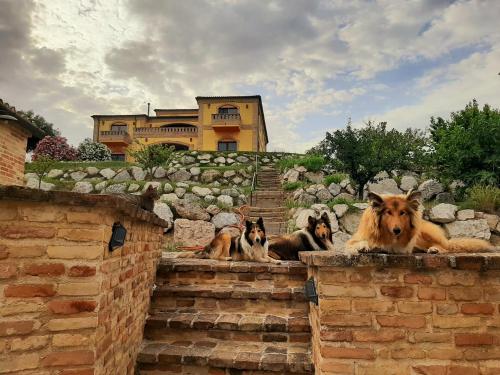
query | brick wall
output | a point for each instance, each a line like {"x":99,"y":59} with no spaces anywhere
{"x":430,"y":315}
{"x":13,"y":141}
{"x":67,"y":305}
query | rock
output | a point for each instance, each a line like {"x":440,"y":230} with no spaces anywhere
{"x":154,"y":184}
{"x":334,"y":189}
{"x":346,"y":196}
{"x":190,"y":210}
{"x":122,"y":176}
{"x":340,"y":209}
{"x":213,"y":209}
{"x":237,"y":180}
{"x":229,"y":173}
{"x":180,"y":175}
{"x":444,"y":198}
{"x":100,"y":186}
{"x":229,"y":161}
{"x":315,"y":177}
{"x":160,"y":172}
{"x":387,"y":186}
{"x":193,"y":233}
{"x":306,"y":198}
{"x":350,"y":221}
{"x":167,"y":188}
{"x":492,"y":221}
{"x":215,"y":191}
{"x":116,"y":188}
{"x":430,"y":189}
{"x":201,"y":191}
{"x":311,"y":190}
{"x":92,"y":171}
{"x":319,"y":207}
{"x":195,"y":171}
{"x":133,"y":187}
{"x":408,"y":183}
{"x":302,"y":217}
{"x":163,"y":211}
{"x":456,"y":184}
{"x":344,"y":182}
{"x":169,"y":198}
{"x":186,"y":159}
{"x":231,"y":192}
{"x":209,"y":198}
{"x":83,"y":187}
{"x":204,"y":157}
{"x":349,"y":189}
{"x":465,"y":214}
{"x":224,"y":219}
{"x":291,"y":176}
{"x":33,"y":184}
{"x":300,"y":169}
{"x":443,"y":213}
{"x":180,"y":192}
{"x":361,"y":206}
{"x":55,"y":173}
{"x":339,"y":240}
{"x":107,"y":173}
{"x":478,"y":228}
{"x":220,"y":160}
{"x":225,"y":200}
{"x":381,"y":176}
{"x":30,"y":175}
{"x":242,"y":159}
{"x":209,"y":176}
{"x":138,"y":173}
{"x":233,"y":232}
{"x":324,"y":195}
{"x":183,"y":185}
{"x":78,"y":175}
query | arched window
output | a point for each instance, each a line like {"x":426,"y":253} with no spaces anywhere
{"x":228,"y":110}
{"x":119,"y":127}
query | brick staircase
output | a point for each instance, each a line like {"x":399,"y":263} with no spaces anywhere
{"x":267,"y":201}
{"x":239,"y":318}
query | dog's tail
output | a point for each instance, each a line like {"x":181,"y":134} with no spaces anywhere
{"x":197,"y":254}
{"x":469,"y":245}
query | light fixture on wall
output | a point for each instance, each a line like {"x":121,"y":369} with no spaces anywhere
{"x":310,"y":289}
{"x":118,"y":235}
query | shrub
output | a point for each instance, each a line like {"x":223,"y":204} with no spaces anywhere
{"x":289,"y":186}
{"x":55,"y":148}
{"x":313,"y":163}
{"x":42,"y":166}
{"x":153,"y":156}
{"x":335,"y":178}
{"x":93,"y":151}
{"x":483,"y":198}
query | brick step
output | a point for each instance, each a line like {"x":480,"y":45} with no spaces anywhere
{"x":267,"y":220}
{"x":276,"y":228}
{"x":267,"y":209}
{"x":203,"y":357}
{"x":267,"y":203}
{"x":266,"y":214}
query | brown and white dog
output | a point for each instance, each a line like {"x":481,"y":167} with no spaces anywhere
{"x":317,"y":235}
{"x":251,"y":245}
{"x":394,"y":224}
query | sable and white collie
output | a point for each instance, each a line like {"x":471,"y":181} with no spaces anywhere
{"x":251,"y":245}
{"x":317,"y":235}
{"x":394,"y":224}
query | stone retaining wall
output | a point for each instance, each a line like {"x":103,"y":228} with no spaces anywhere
{"x":67,"y":305}
{"x":405,"y":315}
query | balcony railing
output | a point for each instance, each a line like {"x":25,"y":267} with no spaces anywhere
{"x":117,"y":136}
{"x":226,"y":120}
{"x":166,"y":132}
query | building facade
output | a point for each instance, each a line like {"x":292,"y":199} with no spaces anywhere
{"x":220,"y":123}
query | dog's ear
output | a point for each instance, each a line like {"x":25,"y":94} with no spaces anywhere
{"x":325,"y":218}
{"x":260,"y":222}
{"x":248,"y":224}
{"x":413,"y":198}
{"x":376,"y":200}
{"x":311,"y":221}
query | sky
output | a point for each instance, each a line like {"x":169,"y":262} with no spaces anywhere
{"x":315,"y":63}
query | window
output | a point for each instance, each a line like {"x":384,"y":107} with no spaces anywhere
{"x":118,"y":157}
{"x":227,"y":146}
{"x":228,"y":111}
{"x":118,"y":128}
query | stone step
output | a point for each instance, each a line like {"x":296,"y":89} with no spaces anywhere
{"x":266,"y":214}
{"x":267,"y":209}
{"x":276,"y":228}
{"x":203,"y":357}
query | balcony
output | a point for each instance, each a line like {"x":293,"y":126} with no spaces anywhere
{"x":226,"y":121}
{"x":115,"y":136}
{"x":167,"y":132}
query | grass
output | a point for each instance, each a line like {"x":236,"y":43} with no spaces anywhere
{"x":289,"y":186}
{"x":66,"y":165}
{"x":336,"y":178}
{"x":289,"y":203}
{"x":312,"y":163}
{"x":483,"y":198}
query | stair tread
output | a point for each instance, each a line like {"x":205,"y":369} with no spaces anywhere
{"x":245,"y":356}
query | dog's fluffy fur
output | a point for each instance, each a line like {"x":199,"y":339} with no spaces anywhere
{"x":251,"y":245}
{"x":394,"y":224}
{"x":317,"y":235}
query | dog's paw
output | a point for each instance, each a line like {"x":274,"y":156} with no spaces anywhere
{"x":433,"y":250}
{"x":357,"y":247}
{"x":228,"y":258}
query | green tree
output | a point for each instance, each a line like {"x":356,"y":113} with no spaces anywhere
{"x":467,"y":146}
{"x":42,"y":166}
{"x":153,"y":156}
{"x":42,"y":124}
{"x":373,"y":148}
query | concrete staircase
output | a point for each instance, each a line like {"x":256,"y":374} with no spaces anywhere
{"x":267,"y":201}
{"x":222,"y":318}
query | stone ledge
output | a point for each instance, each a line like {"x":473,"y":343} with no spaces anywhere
{"x":18,"y":193}
{"x":462,"y":261}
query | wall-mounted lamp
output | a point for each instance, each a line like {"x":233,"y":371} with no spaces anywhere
{"x":118,"y":236}
{"x":310,"y":289}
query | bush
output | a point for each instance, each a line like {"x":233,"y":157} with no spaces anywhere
{"x":336,"y":178}
{"x":55,"y":148}
{"x":153,"y":156}
{"x":313,"y":163}
{"x":41,"y":167}
{"x":483,"y":198}
{"x":93,"y":151}
{"x":289,"y":186}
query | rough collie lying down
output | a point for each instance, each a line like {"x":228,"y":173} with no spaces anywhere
{"x":316,"y":236}
{"x":394,"y":224}
{"x":251,"y":245}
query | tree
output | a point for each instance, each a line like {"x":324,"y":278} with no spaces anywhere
{"x":56,"y":148}
{"x":467,"y":147}
{"x":42,"y":166}
{"x":42,"y":124}
{"x":366,"y":151}
{"x":153,"y":156}
{"x":93,"y":151}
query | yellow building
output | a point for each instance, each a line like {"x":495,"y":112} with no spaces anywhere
{"x":220,"y":123}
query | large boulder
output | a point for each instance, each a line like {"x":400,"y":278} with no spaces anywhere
{"x":209,"y":176}
{"x":190,"y":210}
{"x":186,"y":159}
{"x":408,"y":183}
{"x":224,"y":219}
{"x":467,"y":214}
{"x":180,"y":192}
{"x":445,"y":197}
{"x":169,"y":198}
{"x":204,"y":157}
{"x":160,"y":172}
{"x":381,"y":176}
{"x":350,"y":221}
{"x":122,"y":176}
{"x":315,"y":177}
{"x":470,"y":228}
{"x":229,"y":173}
{"x":116,"y":188}
{"x":180,"y":175}
{"x":55,"y":173}
{"x":443,"y":213}
{"x":242,"y":159}
{"x":33,"y":184}
{"x":138,"y":173}
{"x":154,"y":184}
{"x":225,"y":200}
{"x":339,"y":240}
{"x":193,"y":232}
{"x":302,"y":215}
{"x":291,"y":176}
{"x":78,"y":175}
{"x":220,"y":160}
{"x":324,"y":195}
{"x":83,"y":187}
{"x":201,"y":191}
{"x":107,"y":173}
{"x":334,"y":189}
{"x":340,"y":209}
{"x":195,"y":171}
{"x":387,"y":186}
{"x":430,"y":189}
{"x":163,"y":211}
{"x":231,"y":192}
{"x":92,"y":171}
{"x":492,"y":221}
{"x":132,"y":188}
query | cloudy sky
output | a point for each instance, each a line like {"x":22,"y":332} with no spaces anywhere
{"x":315,"y":63}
